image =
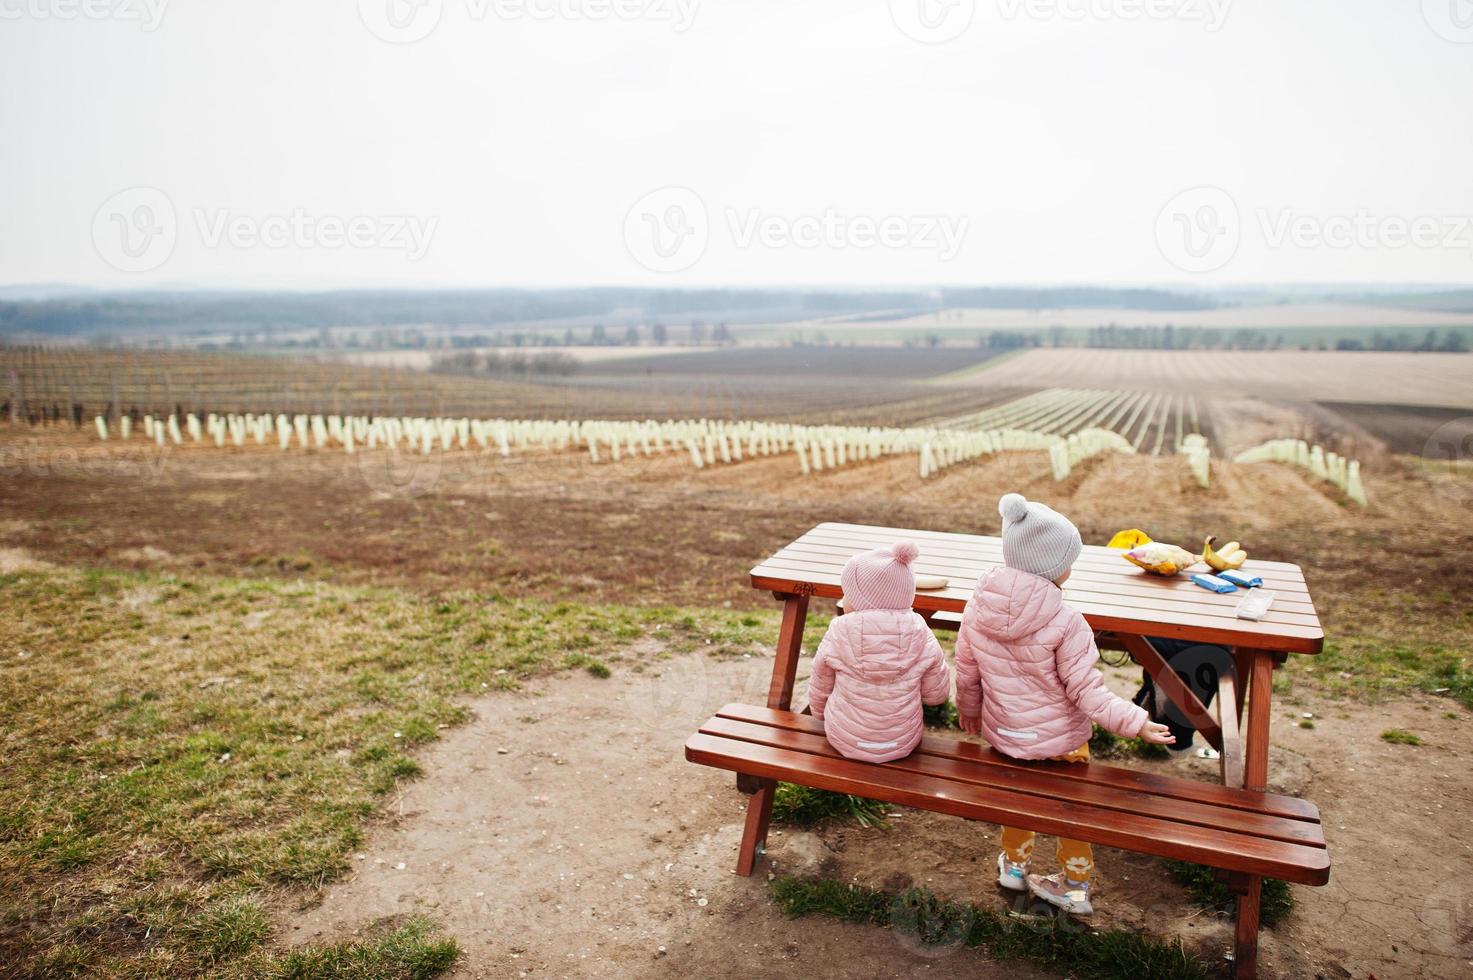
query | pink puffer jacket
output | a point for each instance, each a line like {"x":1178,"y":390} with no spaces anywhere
{"x":873,"y":670}
{"x":1026,"y":663}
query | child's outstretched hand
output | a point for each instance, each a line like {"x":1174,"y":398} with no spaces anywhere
{"x":1156,"y":734}
{"x":972,"y":726}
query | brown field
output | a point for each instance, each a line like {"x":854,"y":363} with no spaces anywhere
{"x":1378,"y":377}
{"x":53,"y":380}
{"x":649,"y":558}
{"x":1286,"y":316}
{"x":654,"y":532}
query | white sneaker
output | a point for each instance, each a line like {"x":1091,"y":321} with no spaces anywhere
{"x":1057,"y":890}
{"x":1011,"y":876}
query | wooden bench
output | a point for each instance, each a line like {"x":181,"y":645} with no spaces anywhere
{"x":1240,"y":830}
{"x":1241,"y":833}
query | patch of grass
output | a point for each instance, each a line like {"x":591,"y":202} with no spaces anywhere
{"x":229,"y":737}
{"x":414,"y":951}
{"x":940,"y":715}
{"x":1398,"y":736}
{"x":1369,"y":667}
{"x":803,"y":806}
{"x":226,"y":929}
{"x":1107,"y":745}
{"x":593,"y":665}
{"x":1206,"y":891}
{"x":935,"y":923}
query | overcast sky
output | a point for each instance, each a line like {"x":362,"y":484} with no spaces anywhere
{"x":694,"y":142}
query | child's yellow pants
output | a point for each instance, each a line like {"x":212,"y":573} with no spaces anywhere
{"x":1076,"y":858}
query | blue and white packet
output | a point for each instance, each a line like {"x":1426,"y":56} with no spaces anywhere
{"x":1213,"y":584}
{"x":1238,"y":578}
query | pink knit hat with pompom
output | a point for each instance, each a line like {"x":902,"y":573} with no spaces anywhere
{"x":880,"y":579}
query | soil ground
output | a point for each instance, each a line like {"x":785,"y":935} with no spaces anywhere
{"x":1389,"y":377}
{"x":562,"y":834}
{"x":593,"y":786}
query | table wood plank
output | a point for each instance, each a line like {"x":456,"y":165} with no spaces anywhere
{"x":1111,"y":593}
{"x":1197,"y":600}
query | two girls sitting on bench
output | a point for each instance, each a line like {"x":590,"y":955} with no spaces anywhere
{"x":1026,"y":676}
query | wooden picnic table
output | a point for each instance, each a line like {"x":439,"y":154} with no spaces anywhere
{"x":1127,"y":608}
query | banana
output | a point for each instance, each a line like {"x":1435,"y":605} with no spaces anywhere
{"x":1229,"y":556}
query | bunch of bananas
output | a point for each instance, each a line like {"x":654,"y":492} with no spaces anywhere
{"x":1226,"y":558}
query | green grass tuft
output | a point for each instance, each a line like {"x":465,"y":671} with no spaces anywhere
{"x":940,"y":715}
{"x":1398,"y":736}
{"x":593,"y":665}
{"x":804,"y":806}
{"x":227,"y":929}
{"x":414,"y":951}
{"x":1107,"y":745}
{"x":934,"y":923}
{"x":1208,"y":892}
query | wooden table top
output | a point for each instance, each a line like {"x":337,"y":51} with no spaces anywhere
{"x":1112,"y":593}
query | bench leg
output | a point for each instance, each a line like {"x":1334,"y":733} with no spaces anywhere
{"x":1260,"y":684}
{"x":754,"y":831}
{"x":779,"y":695}
{"x":1245,"y":945}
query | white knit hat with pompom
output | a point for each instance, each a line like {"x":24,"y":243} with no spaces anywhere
{"x":1036,"y":538}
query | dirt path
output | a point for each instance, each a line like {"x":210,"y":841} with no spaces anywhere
{"x":590,"y":848}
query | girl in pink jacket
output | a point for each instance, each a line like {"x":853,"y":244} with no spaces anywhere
{"x":878,"y":661}
{"x":1026,"y":679}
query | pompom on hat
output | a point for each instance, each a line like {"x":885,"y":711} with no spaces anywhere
{"x":880,"y":579}
{"x":1036,"y":538}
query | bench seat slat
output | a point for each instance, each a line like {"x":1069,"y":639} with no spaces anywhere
{"x":1045,"y":785}
{"x":1229,"y":851}
{"x":1144,"y":782}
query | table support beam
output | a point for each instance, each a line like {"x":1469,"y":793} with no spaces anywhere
{"x":1260,"y":706}
{"x":1171,"y":684}
{"x":1232,"y":739}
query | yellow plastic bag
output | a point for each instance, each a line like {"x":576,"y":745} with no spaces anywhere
{"x":1126,"y":540}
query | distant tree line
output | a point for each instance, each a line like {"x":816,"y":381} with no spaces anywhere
{"x":197,"y":312}
{"x":1449,"y":342}
{"x":1207,"y":338}
{"x":1010,"y":339}
{"x":513,"y":364}
{"x":1077,"y":297}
